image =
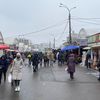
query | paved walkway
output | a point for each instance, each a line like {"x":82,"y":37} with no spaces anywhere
{"x":53,"y":83}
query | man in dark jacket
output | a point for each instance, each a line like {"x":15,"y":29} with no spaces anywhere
{"x":40,"y":58}
{"x":35,"y":61}
{"x":5,"y":61}
{"x":1,"y":70}
{"x":3,"y":67}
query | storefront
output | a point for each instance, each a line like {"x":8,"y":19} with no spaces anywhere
{"x":94,"y":43}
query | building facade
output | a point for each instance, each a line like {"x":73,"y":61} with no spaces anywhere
{"x":94,"y":44}
{"x":20,"y":44}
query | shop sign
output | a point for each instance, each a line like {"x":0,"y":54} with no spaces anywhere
{"x":92,"y":44}
{"x":94,"y":38}
{"x":82,"y":42}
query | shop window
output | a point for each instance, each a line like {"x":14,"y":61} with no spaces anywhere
{"x":97,"y":37}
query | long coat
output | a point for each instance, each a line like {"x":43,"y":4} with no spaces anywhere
{"x":51,"y":56}
{"x":17,"y":69}
{"x":71,"y":63}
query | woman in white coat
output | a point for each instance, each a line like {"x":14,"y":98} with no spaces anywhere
{"x":17,"y":71}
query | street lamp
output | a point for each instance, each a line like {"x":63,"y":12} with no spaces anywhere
{"x":69,"y":18}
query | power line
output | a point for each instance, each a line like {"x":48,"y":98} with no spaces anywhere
{"x":62,"y":32}
{"x":87,"y":18}
{"x":61,"y":23}
{"x":46,"y":28}
{"x":89,"y":22}
{"x":43,"y":29}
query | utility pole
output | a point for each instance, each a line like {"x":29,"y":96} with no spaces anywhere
{"x":69,"y":18}
{"x":54,"y":43}
{"x":70,"y":37}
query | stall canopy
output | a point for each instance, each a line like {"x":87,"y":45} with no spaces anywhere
{"x":4,"y":46}
{"x":87,"y":48}
{"x":10,"y":50}
{"x":70,"y":47}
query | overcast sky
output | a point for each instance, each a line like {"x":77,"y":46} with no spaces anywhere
{"x":19,"y":17}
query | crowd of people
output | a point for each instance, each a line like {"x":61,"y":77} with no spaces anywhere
{"x":15,"y":62}
{"x":49,"y":58}
{"x":37,"y":58}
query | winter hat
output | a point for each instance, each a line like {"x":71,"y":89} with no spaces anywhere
{"x":18,"y":54}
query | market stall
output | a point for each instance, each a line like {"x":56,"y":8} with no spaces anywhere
{"x":4,"y":46}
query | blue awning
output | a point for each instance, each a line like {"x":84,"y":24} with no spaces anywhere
{"x":70,"y":47}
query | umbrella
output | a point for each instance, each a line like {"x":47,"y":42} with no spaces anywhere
{"x":4,"y":46}
{"x":70,"y":47}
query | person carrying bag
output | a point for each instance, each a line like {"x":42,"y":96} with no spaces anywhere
{"x":16,"y":71}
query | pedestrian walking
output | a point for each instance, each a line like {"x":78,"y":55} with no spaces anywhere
{"x":3,"y":68}
{"x":87,"y":61}
{"x":98,"y":66}
{"x":5,"y":61}
{"x":29,"y":58}
{"x":0,"y":74}
{"x":71,"y":65}
{"x":46,"y":60}
{"x":16,"y":71}
{"x":35,"y":61}
{"x":51,"y":58}
{"x":23,"y":57}
{"x":60,"y":58}
{"x":40,"y":58}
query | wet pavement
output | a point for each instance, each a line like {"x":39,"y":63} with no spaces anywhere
{"x":53,"y":83}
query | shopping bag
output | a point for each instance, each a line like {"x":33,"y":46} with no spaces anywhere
{"x":10,"y":78}
{"x":66,"y":68}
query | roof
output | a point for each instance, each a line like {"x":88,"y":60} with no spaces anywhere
{"x":92,"y":31}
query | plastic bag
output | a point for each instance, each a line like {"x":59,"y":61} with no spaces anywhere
{"x":10,"y":78}
{"x":66,"y":69}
